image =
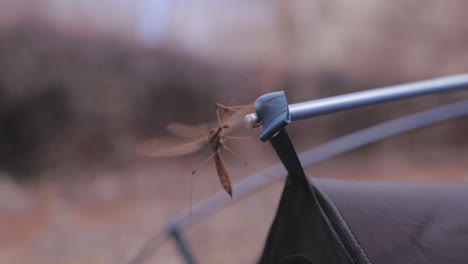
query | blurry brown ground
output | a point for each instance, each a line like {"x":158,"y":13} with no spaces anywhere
{"x":72,"y":108}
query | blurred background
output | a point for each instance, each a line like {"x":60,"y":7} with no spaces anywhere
{"x":82,"y":82}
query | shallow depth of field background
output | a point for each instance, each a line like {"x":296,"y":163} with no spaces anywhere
{"x":82,"y":82}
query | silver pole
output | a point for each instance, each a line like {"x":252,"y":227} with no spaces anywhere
{"x":328,"y":105}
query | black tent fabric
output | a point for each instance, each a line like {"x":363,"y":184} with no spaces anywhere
{"x":337,"y":221}
{"x":404,"y":222}
{"x":305,"y":231}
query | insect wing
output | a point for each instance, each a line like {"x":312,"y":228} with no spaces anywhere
{"x":169,"y":147}
{"x":187,"y":131}
{"x":234,"y":115}
{"x":235,"y":119}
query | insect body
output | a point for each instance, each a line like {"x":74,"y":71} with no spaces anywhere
{"x":192,"y":138}
{"x":217,"y":138}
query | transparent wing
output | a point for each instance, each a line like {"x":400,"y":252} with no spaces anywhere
{"x":169,"y":147}
{"x":187,"y":131}
{"x":235,"y":119}
{"x":234,"y":115}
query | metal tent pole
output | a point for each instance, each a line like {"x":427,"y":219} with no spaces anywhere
{"x":328,"y":105}
{"x":177,"y":234}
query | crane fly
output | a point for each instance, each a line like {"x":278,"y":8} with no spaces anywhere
{"x":190,"y":139}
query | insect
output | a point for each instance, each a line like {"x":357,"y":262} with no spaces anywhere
{"x":190,"y":139}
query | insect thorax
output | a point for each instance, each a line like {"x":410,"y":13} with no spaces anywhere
{"x":217,"y":136}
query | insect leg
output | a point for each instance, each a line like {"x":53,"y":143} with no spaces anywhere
{"x":235,"y":108}
{"x":203,"y":163}
{"x":232,"y":137}
{"x":217,"y":115}
{"x":235,"y":154}
{"x":245,"y":162}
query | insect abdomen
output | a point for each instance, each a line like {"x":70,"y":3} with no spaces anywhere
{"x":223,"y":174}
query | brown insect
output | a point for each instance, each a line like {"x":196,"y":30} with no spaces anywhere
{"x":190,"y":139}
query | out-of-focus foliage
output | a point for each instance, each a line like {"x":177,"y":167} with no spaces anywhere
{"x":67,"y":99}
{"x":78,"y":87}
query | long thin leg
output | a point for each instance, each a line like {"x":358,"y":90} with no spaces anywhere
{"x":231,"y":137}
{"x":217,"y":115}
{"x":235,"y":108}
{"x":226,"y":108}
{"x":203,"y":163}
{"x":252,"y":78}
{"x":191,"y":180}
{"x":191,"y":197}
{"x":225,"y":116}
{"x":244,"y":162}
{"x":235,"y":155}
